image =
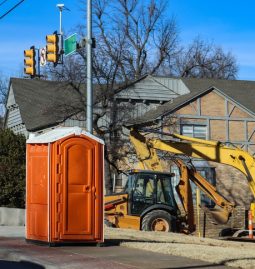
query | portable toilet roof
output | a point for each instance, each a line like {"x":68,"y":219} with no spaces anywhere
{"x":59,"y":133}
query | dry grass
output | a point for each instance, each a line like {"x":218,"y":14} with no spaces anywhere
{"x":235,"y":254}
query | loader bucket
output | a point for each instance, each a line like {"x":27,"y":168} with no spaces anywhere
{"x":218,"y":215}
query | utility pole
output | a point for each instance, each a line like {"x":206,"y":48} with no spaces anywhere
{"x":89,"y":69}
{"x":38,"y":63}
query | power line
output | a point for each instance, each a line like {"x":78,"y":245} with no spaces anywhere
{"x":10,"y":10}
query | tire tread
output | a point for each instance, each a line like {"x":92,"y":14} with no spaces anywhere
{"x":152,"y":214}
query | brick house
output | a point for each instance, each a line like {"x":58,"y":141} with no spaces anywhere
{"x":217,"y":110}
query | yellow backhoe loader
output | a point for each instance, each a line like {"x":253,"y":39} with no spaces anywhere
{"x":148,"y":201}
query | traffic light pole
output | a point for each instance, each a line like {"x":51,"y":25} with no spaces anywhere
{"x":89,"y":69}
{"x":38,"y":63}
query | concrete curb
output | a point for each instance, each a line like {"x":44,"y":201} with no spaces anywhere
{"x":12,"y":216}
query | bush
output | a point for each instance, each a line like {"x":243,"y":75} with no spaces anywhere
{"x":12,"y":169}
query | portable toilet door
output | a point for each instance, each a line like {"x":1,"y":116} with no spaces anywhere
{"x":75,"y":186}
{"x":79,"y":174}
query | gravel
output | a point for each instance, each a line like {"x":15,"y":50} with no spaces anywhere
{"x":235,"y":254}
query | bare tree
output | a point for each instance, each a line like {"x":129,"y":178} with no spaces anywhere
{"x":205,"y":60}
{"x":133,"y":38}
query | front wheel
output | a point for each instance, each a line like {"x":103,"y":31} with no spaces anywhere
{"x":159,"y":221}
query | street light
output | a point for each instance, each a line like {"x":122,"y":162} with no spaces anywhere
{"x":60,"y":7}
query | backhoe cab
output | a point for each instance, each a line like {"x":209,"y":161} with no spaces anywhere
{"x":147,"y":203}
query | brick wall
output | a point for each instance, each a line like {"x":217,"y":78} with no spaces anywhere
{"x":218,"y":130}
{"x":232,"y":184}
{"x":208,"y":228}
{"x":237,"y":131}
{"x":212,"y":105}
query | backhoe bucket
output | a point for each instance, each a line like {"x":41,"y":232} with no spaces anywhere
{"x":219,"y":215}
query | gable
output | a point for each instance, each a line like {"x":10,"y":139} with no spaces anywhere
{"x":214,"y":104}
{"x":13,"y":119}
{"x":236,"y":112}
{"x":189,"y":109}
{"x":154,"y":88}
{"x":10,"y":98}
{"x":240,"y":91}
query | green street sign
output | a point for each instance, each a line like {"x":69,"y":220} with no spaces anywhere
{"x":70,"y":44}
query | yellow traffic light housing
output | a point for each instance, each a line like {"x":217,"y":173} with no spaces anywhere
{"x":52,"y":48}
{"x":30,"y":62}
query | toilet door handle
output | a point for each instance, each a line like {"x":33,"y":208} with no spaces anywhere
{"x":86,"y":188}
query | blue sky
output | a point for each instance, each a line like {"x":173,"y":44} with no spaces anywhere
{"x":229,"y":23}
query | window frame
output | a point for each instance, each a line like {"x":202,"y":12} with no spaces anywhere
{"x":193,"y":130}
{"x":209,"y":173}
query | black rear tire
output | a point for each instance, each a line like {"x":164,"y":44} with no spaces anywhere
{"x":159,"y":220}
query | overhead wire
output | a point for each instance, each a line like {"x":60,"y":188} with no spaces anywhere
{"x":10,"y":10}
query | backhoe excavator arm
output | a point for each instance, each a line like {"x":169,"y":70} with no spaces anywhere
{"x":197,"y":148}
{"x":183,"y":189}
{"x":147,"y":155}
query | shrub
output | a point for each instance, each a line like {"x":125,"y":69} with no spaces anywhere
{"x":12,"y":169}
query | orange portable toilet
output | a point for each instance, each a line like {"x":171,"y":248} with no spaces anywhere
{"x":64,"y":187}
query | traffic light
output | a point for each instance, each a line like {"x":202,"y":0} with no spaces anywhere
{"x":30,"y":62}
{"x":52,"y":48}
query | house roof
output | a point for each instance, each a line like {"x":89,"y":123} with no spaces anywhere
{"x":44,"y":103}
{"x":240,"y":91}
{"x":59,"y":133}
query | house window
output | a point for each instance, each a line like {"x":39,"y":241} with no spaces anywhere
{"x":208,"y":173}
{"x":196,"y":131}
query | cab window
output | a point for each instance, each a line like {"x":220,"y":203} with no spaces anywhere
{"x":164,"y":190}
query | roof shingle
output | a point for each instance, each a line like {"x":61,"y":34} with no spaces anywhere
{"x":240,"y":91}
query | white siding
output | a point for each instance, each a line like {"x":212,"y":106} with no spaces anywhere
{"x":73,"y":123}
{"x":176,"y":85}
{"x":154,"y":88}
{"x":13,"y":117}
{"x":11,"y":99}
{"x":14,"y":120}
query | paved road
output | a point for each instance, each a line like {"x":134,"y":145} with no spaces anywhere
{"x":15,"y":253}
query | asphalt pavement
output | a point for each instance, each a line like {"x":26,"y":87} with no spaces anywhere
{"x":16,"y":253}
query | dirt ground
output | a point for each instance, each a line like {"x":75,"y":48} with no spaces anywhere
{"x":235,"y":254}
